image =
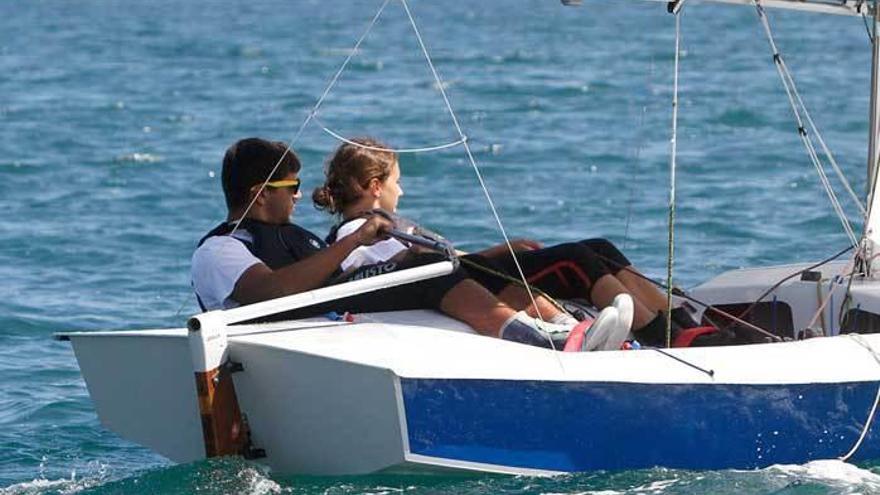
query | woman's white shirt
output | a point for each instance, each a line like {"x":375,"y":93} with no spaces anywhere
{"x":367,"y":255}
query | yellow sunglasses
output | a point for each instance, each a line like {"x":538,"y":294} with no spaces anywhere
{"x":293,"y":184}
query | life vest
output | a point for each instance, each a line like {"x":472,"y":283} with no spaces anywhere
{"x":276,"y":245}
{"x":400,"y":223}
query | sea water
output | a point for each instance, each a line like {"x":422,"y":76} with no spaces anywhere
{"x":114,"y":117}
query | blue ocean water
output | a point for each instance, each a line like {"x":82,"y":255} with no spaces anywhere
{"x":114,"y":118}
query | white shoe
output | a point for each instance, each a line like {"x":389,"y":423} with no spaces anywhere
{"x":605,"y":325}
{"x":625,"y":312}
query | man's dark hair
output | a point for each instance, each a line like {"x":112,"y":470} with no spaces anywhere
{"x":249,"y":162}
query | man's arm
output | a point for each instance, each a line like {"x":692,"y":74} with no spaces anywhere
{"x":259,"y":282}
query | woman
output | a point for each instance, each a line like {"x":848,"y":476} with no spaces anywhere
{"x":365,"y":175}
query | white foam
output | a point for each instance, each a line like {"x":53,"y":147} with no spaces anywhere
{"x":597,"y":492}
{"x":139,"y":158}
{"x":258,"y":483}
{"x":41,"y":485}
{"x":655,"y":486}
{"x":832,"y":472}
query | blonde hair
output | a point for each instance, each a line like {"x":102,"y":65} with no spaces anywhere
{"x":349,"y":171}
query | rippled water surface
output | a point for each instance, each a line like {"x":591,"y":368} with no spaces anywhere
{"x":114,"y":117}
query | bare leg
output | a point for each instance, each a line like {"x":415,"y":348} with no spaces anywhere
{"x":471,"y":303}
{"x":642,"y":290}
{"x":607,"y":287}
{"x":517,"y":298}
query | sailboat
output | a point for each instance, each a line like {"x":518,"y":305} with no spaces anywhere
{"x":416,"y":391}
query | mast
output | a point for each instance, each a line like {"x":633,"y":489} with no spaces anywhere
{"x":872,"y":222}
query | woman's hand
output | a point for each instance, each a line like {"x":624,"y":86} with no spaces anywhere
{"x":375,"y":229}
{"x":518,"y":245}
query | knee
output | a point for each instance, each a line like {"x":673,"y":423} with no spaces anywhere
{"x":608,"y":253}
{"x":586,"y":259}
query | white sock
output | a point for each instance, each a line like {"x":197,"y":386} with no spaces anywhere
{"x":551,"y":326}
{"x":545,"y":327}
{"x":519,"y":315}
{"x":563,"y":318}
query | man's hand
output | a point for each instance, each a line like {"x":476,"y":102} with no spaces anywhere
{"x":375,"y":229}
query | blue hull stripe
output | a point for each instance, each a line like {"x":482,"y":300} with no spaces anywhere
{"x":571,"y":426}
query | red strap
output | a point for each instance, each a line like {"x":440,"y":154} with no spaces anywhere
{"x":687,"y":336}
{"x":576,"y":336}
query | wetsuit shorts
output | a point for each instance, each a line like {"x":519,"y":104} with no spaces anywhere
{"x":566,"y":270}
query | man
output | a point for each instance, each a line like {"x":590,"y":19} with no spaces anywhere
{"x":257,"y":254}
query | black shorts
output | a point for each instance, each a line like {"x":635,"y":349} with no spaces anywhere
{"x":565,"y":271}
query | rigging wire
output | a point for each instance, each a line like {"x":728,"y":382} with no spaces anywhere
{"x":672,"y":157}
{"x":825,"y":149}
{"x":341,"y":138}
{"x":798,"y":108}
{"x":865,"y":257}
{"x":634,"y":176}
{"x":473,"y":162}
{"x":314,"y":111}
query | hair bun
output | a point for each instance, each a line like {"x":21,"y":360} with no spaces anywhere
{"x":322,"y":198}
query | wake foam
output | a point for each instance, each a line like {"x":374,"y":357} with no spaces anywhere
{"x":61,"y":486}
{"x":831,"y":472}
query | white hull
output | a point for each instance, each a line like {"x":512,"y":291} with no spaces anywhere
{"x":349,"y":398}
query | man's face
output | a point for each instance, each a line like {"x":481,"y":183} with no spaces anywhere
{"x":279,"y":202}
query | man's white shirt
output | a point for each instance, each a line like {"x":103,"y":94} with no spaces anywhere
{"x":216,"y":267}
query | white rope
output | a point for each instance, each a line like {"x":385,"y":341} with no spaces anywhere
{"x":861,"y":341}
{"x":311,"y":114}
{"x":823,"y":300}
{"x":394,"y":150}
{"x":797,"y":107}
{"x":473,"y":163}
{"x":672,"y":159}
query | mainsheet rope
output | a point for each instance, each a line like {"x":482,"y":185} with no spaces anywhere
{"x":798,"y":107}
